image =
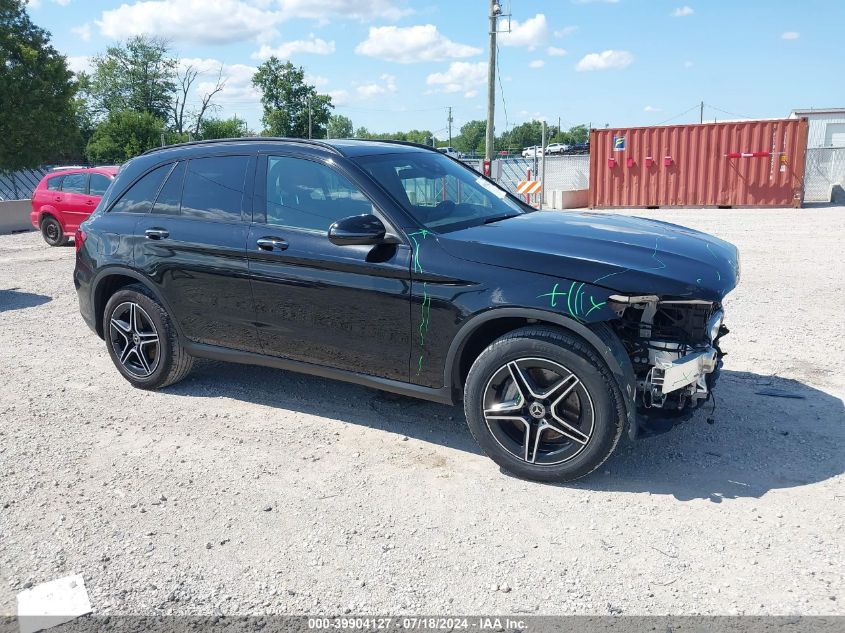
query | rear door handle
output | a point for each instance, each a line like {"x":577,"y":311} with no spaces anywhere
{"x":157,"y":234}
{"x":272,"y":244}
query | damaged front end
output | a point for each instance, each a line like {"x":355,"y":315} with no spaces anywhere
{"x":673,"y":345}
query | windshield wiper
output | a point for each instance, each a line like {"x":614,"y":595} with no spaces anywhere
{"x":499,"y":218}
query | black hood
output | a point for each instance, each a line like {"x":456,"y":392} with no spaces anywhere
{"x":622,"y":253}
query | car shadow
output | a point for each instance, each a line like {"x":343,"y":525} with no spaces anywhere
{"x":756,"y":442}
{"x":15,"y":299}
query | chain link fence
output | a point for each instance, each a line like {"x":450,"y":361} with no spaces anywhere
{"x":19,"y":185}
{"x":824,"y":175}
{"x":563,"y":173}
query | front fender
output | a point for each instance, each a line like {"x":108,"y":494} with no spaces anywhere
{"x":598,"y":334}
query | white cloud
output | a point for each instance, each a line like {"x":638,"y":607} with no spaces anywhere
{"x":369,"y":90}
{"x":351,"y":9}
{"x":531,"y":33}
{"x":594,"y":1}
{"x":460,"y":77}
{"x":83,"y":31}
{"x":790,"y":35}
{"x":79,"y":64}
{"x":407,"y":45}
{"x":605,"y":60}
{"x":537,"y":63}
{"x":286,"y":50}
{"x":554,"y":51}
{"x":649,"y":108}
{"x":567,"y":30}
{"x":339,"y":97}
{"x":37,"y":4}
{"x":199,"y":21}
{"x":682,"y":12}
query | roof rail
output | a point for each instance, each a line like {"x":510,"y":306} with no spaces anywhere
{"x":396,"y":142}
{"x":302,"y":141}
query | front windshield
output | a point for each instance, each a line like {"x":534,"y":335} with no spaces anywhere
{"x":440,"y":193}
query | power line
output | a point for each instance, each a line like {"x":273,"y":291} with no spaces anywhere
{"x":741,"y":116}
{"x":677,"y":116}
{"x":501,"y":87}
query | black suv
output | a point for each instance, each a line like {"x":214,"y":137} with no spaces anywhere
{"x":394,"y":266}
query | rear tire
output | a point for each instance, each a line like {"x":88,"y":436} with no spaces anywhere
{"x":52,"y":231}
{"x":142,"y":340}
{"x":543,"y":405}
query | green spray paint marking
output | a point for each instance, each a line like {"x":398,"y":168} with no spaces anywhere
{"x":574,"y":300}
{"x":425,"y":308}
{"x":554,"y":294}
{"x":596,"y":306}
{"x":709,"y":250}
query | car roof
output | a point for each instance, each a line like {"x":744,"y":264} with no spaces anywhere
{"x":111,"y":170}
{"x":342,"y":147}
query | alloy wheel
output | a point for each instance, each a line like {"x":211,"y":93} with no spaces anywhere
{"x":51,"y":230}
{"x":539,"y":411}
{"x":134,"y":339}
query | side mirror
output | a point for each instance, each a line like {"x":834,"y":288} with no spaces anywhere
{"x":358,"y":230}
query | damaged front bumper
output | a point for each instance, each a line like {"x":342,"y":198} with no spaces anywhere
{"x":674,"y":350}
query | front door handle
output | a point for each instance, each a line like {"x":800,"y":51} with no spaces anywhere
{"x":272,"y":244}
{"x":157,"y":234}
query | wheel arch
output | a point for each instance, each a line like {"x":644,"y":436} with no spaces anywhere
{"x":45,"y":212}
{"x":110,"y":280}
{"x":482,"y":329}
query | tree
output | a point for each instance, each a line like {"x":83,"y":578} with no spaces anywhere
{"x":137,"y":75}
{"x":185,"y":79}
{"x":123,"y":135}
{"x":223,"y":128}
{"x":339,"y":126}
{"x":37,"y":94}
{"x":472,"y":137}
{"x":287,"y":101}
{"x":526,"y":135}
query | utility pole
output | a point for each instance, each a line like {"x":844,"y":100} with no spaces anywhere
{"x":495,"y":10}
{"x":450,"y":126}
{"x":701,"y":118}
{"x":543,"y":167}
{"x":309,"y":118}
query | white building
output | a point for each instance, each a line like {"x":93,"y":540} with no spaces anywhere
{"x":827,"y":126}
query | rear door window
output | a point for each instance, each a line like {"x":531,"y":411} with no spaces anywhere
{"x":55,"y":184}
{"x":98,"y":184}
{"x":75,"y":183}
{"x":140,"y":196}
{"x":214,"y":188}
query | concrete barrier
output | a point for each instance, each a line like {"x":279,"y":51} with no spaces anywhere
{"x":14,"y":216}
{"x":575,"y":199}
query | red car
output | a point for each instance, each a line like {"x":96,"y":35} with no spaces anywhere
{"x":65,"y":198}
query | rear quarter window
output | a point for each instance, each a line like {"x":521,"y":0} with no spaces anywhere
{"x":139,"y":197}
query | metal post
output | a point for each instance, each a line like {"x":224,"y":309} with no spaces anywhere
{"x":495,"y":10}
{"x":450,"y":126}
{"x":162,"y":139}
{"x":701,"y":118}
{"x":309,"y":118}
{"x":543,"y":169}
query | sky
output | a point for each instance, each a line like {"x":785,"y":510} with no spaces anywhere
{"x":400,"y":64}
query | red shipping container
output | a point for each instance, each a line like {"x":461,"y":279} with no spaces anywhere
{"x":746,"y":164}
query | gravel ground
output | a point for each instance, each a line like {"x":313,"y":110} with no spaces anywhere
{"x":250,"y":490}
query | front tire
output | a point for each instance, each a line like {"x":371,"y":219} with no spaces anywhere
{"x":543,"y":405}
{"x":52,"y":231}
{"x":142,"y":340}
